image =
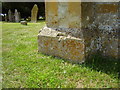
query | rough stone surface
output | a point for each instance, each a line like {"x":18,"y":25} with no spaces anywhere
{"x":102,"y":33}
{"x":34,"y":13}
{"x":94,"y":23}
{"x":60,"y":44}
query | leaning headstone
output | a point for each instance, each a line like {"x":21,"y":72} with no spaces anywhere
{"x":10,"y":15}
{"x":34,"y":12}
{"x":17,"y":18}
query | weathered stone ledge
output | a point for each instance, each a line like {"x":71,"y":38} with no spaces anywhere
{"x":60,"y":44}
{"x":74,"y":32}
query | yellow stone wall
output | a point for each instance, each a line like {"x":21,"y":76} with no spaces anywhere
{"x":94,"y":27}
{"x":74,"y":14}
{"x":63,"y":14}
{"x":51,"y":14}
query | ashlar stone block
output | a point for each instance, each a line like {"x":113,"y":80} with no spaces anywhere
{"x":61,"y":45}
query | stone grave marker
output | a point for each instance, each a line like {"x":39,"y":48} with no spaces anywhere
{"x":6,"y":18}
{"x":10,"y":15}
{"x":34,"y":13}
{"x":17,"y":17}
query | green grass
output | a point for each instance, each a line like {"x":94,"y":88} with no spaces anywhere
{"x":24,"y":67}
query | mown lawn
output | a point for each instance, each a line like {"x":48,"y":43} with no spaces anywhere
{"x":24,"y":67}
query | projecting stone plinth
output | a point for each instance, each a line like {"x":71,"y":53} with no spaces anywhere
{"x":60,"y":44}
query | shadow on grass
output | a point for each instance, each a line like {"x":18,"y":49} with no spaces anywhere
{"x":98,"y":63}
{"x":104,"y":64}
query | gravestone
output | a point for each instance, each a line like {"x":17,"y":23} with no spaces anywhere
{"x":74,"y":34}
{"x":17,"y":16}
{"x":10,"y":15}
{"x":34,"y":13}
{"x":6,"y":18}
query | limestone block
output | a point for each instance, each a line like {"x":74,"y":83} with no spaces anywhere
{"x":59,"y":44}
